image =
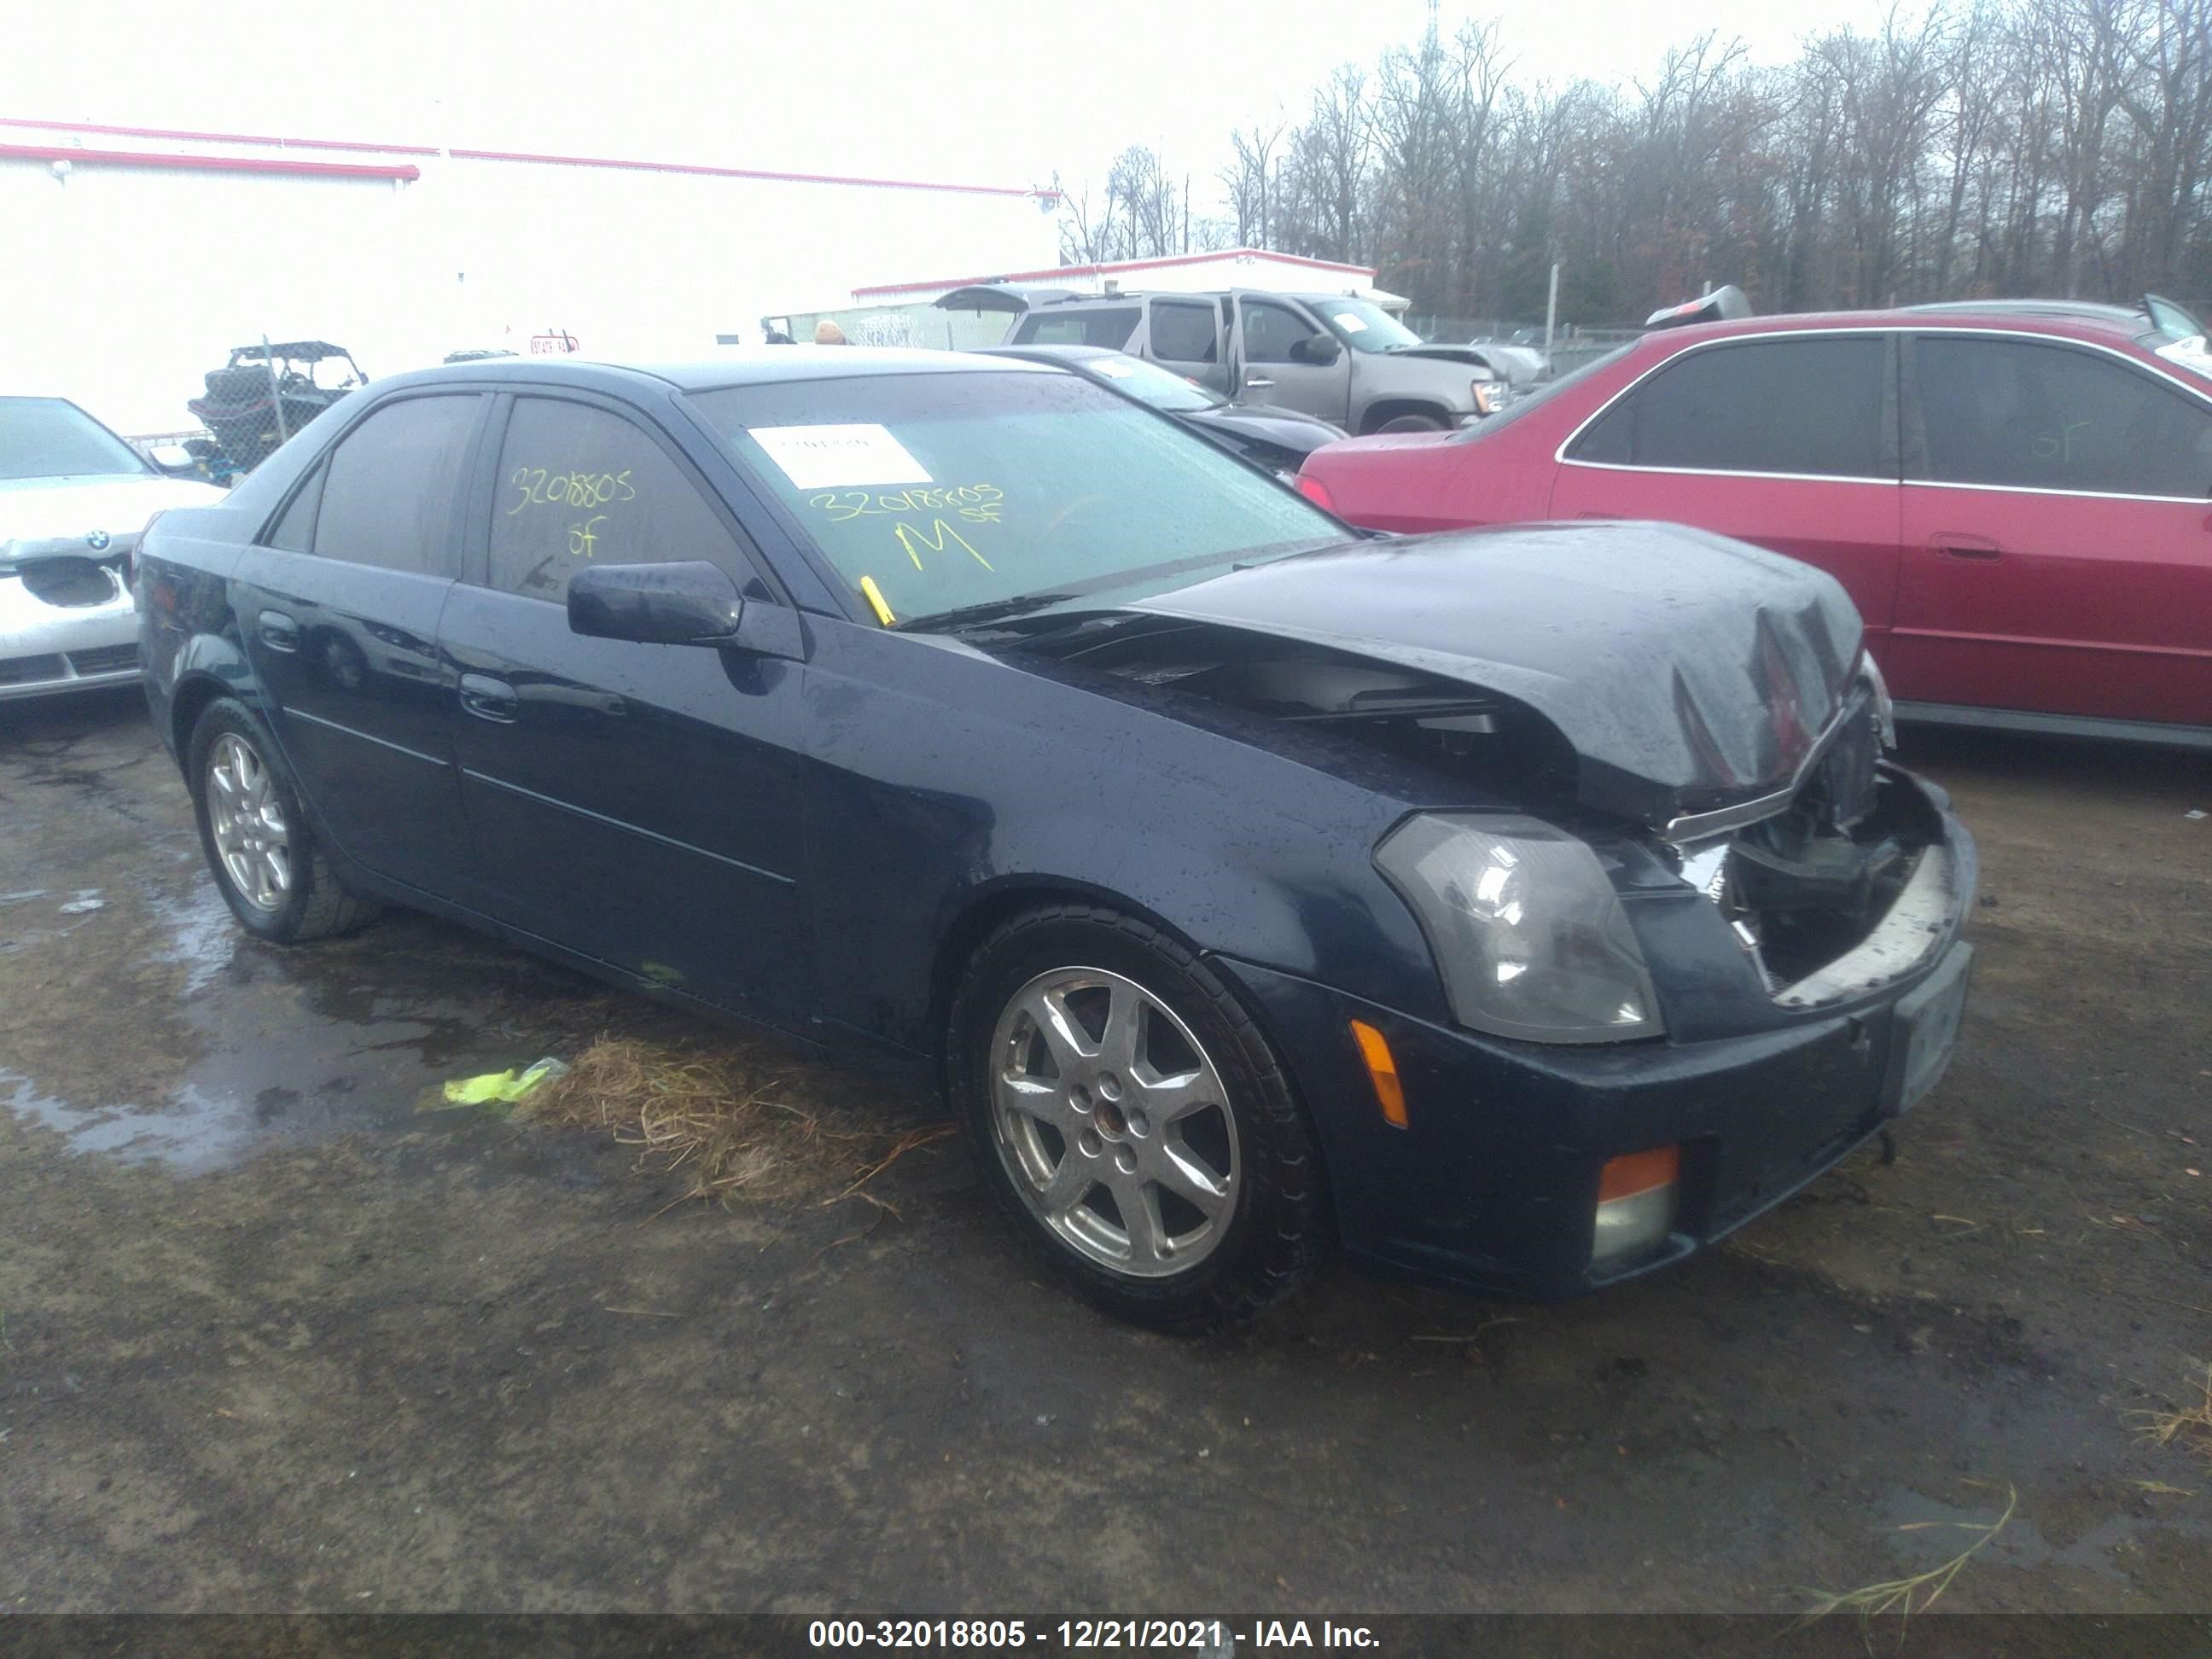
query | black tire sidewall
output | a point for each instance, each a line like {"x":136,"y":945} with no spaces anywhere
{"x":227,"y":715}
{"x":1276,"y":1231}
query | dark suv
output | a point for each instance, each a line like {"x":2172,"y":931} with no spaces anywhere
{"x":1519,"y":909}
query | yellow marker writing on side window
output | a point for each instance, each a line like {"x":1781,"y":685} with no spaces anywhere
{"x":875,"y":597}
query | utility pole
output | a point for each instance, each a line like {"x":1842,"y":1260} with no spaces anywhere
{"x":1551,"y":311}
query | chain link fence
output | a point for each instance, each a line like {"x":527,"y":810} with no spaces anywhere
{"x":267,"y":390}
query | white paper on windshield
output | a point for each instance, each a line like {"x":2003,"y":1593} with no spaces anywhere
{"x":1112,"y":370}
{"x":1350,"y":323}
{"x":839,"y":457}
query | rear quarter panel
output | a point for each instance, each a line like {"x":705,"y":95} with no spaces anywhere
{"x":187,"y":636}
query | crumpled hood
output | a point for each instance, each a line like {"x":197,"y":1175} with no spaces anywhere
{"x":1285,"y":427}
{"x":1689,"y":671}
{"x":48,"y":510}
{"x":1450,"y":354}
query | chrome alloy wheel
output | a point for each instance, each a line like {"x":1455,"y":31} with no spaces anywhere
{"x":248,"y":823}
{"x":1113,"y":1122}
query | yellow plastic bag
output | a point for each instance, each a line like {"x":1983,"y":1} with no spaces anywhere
{"x":506,"y":1087}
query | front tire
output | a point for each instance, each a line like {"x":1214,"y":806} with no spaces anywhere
{"x":259,"y":845}
{"x":1412,"y":423}
{"x":1133,"y":1121}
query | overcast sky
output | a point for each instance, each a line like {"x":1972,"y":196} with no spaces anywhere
{"x":982,"y":91}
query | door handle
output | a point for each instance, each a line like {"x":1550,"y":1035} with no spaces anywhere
{"x":488,"y":699}
{"x":1254,"y":380}
{"x":1964,"y":547}
{"x":278,"y":631}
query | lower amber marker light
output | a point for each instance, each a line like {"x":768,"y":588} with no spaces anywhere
{"x":1381,"y":1072}
{"x":1635,"y":1206}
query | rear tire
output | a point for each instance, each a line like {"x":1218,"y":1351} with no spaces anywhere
{"x":1162,"y":1166}
{"x":260,"y":848}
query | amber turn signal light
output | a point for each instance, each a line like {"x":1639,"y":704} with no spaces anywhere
{"x":1638,"y":1172}
{"x":1381,"y":1072}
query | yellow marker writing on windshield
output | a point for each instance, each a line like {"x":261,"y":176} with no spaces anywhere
{"x":875,"y":597}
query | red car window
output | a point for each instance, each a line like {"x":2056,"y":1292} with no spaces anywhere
{"x":2027,"y":415}
{"x":1811,"y":404}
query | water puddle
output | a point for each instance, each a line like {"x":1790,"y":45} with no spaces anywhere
{"x":237,"y":1046}
{"x":204,"y":936}
{"x":196,"y":1133}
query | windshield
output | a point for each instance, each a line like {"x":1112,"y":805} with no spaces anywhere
{"x":1364,"y":326}
{"x":2174,"y":321}
{"x":933,"y":493}
{"x":47,"y":438}
{"x":1148,"y":383}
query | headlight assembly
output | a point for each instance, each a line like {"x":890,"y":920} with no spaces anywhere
{"x":1527,"y":931}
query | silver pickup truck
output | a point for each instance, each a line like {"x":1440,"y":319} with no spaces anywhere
{"x":1343,"y":359}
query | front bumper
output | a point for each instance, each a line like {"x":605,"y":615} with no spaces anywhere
{"x":47,"y":648}
{"x":1494,"y":1182}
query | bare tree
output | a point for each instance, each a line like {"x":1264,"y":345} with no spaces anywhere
{"x":1958,"y":147}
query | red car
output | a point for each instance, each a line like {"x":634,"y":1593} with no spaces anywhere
{"x":2018,"y":495}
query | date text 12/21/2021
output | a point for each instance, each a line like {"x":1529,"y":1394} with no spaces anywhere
{"x":1207,"y":1637}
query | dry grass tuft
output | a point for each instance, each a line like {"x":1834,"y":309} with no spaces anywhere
{"x":725,"y":1115}
{"x":2190,"y":1426}
{"x":1919,"y":1592}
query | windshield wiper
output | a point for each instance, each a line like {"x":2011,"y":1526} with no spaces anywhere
{"x":987,"y":610}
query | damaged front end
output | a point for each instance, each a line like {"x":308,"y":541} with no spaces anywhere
{"x":66,"y":622}
{"x":1852,"y":883}
{"x":1835,"y":881}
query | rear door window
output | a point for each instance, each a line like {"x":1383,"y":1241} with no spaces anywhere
{"x":1183,"y":331}
{"x":580,"y":485}
{"x":295,"y":530}
{"x":1109,"y":326}
{"x":390,"y":490}
{"x":2019,"y":414}
{"x":1808,"y":405}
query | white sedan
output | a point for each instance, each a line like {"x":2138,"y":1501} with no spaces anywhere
{"x":73,"y":500}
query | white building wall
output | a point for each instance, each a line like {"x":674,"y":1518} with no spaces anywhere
{"x":1197,"y":273}
{"x":124,"y":284}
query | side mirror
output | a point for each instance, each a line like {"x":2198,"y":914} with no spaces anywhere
{"x":1319,"y":349}
{"x":693,"y":603}
{"x":174,"y":459}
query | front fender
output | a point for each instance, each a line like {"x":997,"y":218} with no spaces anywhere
{"x":949,"y":785}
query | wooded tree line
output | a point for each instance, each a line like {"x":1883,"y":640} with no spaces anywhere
{"x":1986,"y":147}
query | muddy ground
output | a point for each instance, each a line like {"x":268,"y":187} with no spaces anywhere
{"x":273,"y":1338}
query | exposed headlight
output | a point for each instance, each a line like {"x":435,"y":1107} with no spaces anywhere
{"x":1528,"y":932}
{"x":1484,"y":394}
{"x":1885,"y":711}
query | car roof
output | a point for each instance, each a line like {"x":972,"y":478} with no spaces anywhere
{"x":1072,"y":353}
{"x":750,"y":366}
{"x":2034,"y":308}
{"x":2100,"y":326}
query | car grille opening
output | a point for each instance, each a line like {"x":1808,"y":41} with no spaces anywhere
{"x":26,"y":670}
{"x":104,"y":660}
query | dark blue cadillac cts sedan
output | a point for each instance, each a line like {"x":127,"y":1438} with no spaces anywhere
{"x":1519,"y":909}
